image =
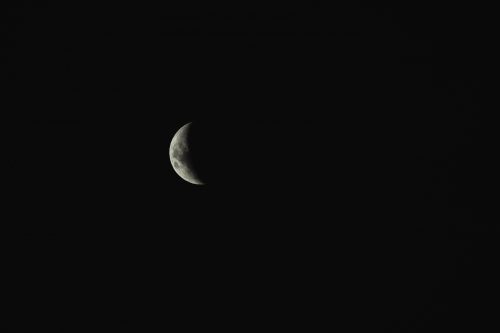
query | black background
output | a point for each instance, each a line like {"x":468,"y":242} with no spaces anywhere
{"x":343,"y":147}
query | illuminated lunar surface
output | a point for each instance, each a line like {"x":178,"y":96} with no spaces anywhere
{"x":180,"y":156}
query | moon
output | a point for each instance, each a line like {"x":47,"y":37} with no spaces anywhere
{"x":180,"y":156}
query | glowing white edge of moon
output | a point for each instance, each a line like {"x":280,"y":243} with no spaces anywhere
{"x":183,"y":171}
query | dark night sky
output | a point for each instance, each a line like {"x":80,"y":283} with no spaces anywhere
{"x":343,"y":147}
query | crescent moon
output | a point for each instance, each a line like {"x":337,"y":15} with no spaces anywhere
{"x":180,"y":157}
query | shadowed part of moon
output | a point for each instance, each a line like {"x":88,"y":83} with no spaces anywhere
{"x":180,"y":156}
